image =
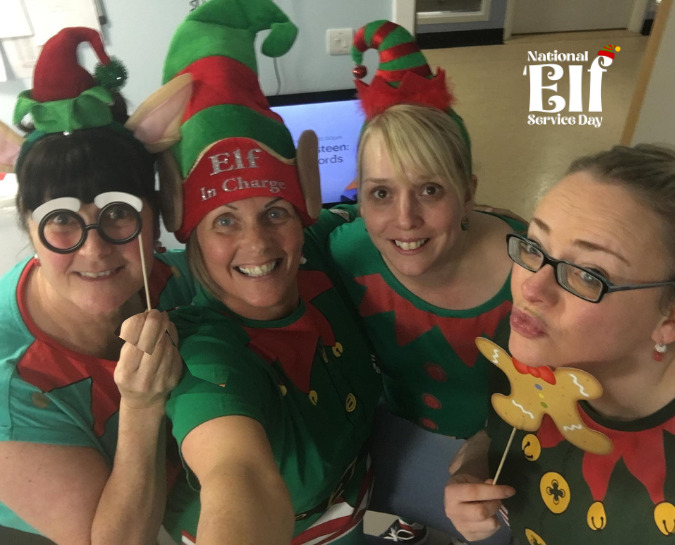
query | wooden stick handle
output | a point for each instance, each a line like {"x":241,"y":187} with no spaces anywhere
{"x":506,"y":451}
{"x":145,"y":272}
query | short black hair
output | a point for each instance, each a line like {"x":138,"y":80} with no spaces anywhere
{"x":83,"y":164}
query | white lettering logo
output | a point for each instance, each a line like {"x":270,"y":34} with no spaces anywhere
{"x":544,"y":80}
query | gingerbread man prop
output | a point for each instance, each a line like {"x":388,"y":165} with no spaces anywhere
{"x":536,"y":391}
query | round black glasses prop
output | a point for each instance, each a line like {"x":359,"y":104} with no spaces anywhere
{"x":64,"y":231}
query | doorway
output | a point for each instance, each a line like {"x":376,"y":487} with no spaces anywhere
{"x":452,"y":11}
{"x":542,"y":16}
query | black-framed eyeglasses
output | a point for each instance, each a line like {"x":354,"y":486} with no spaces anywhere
{"x":584,"y":283}
{"x":62,"y":230}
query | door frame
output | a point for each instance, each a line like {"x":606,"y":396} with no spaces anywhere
{"x":403,"y":13}
{"x":434,"y":17}
{"x":635,"y":20}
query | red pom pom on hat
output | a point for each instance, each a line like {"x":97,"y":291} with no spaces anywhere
{"x":57,"y":74}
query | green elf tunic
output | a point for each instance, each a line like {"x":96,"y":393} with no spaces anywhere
{"x":308,"y":378}
{"x":434,"y":376}
{"x":53,"y":395}
{"x":565,"y":495}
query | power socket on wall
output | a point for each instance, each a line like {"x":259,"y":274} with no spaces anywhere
{"x":339,"y":41}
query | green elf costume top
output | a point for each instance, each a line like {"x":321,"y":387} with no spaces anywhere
{"x":307,"y":378}
{"x":52,"y":393}
{"x":434,"y":376}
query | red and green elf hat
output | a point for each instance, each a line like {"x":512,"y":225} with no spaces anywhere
{"x":609,"y":51}
{"x":403,"y":75}
{"x":66,"y":97}
{"x":232,"y":145}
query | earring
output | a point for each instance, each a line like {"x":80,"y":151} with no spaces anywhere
{"x":465,"y":223}
{"x":659,"y":351}
{"x":303,"y":260}
{"x":159,"y":247}
{"x":37,"y":259}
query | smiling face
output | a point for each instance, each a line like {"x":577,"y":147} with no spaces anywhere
{"x":413,"y":219}
{"x":99,"y":277}
{"x":251,"y":250}
{"x":599,"y":226}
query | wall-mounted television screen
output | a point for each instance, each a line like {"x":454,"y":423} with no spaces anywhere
{"x":336,"y":117}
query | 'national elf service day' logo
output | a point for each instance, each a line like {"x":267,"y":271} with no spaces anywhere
{"x":574,"y":103}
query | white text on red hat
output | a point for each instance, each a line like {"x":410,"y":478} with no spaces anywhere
{"x":222,"y":162}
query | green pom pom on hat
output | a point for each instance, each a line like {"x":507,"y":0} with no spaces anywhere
{"x":112,"y":76}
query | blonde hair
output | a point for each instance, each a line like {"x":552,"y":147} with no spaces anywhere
{"x":426,"y":140}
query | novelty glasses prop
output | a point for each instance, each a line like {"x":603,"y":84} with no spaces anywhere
{"x":62,"y":229}
{"x":584,"y":283}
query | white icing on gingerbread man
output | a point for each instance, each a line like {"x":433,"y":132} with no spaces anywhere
{"x":536,"y":391}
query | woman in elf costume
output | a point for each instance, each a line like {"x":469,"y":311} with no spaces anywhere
{"x":427,"y":274}
{"x":278,"y":395}
{"x":605,"y":305}
{"x":82,"y":413}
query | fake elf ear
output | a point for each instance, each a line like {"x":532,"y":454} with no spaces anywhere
{"x":156,"y":122}
{"x":170,"y":191}
{"x":10,"y":147}
{"x":308,"y":172}
{"x":233,"y":146}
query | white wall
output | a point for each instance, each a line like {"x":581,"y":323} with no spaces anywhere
{"x":307,"y":66}
{"x":656,"y":121}
{"x":139,"y":33}
{"x":14,"y":243}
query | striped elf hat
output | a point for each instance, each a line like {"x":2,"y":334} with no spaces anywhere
{"x":403,"y":75}
{"x":609,"y":51}
{"x":232,"y":145}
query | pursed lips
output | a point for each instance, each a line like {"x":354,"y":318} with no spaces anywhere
{"x":526,"y":324}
